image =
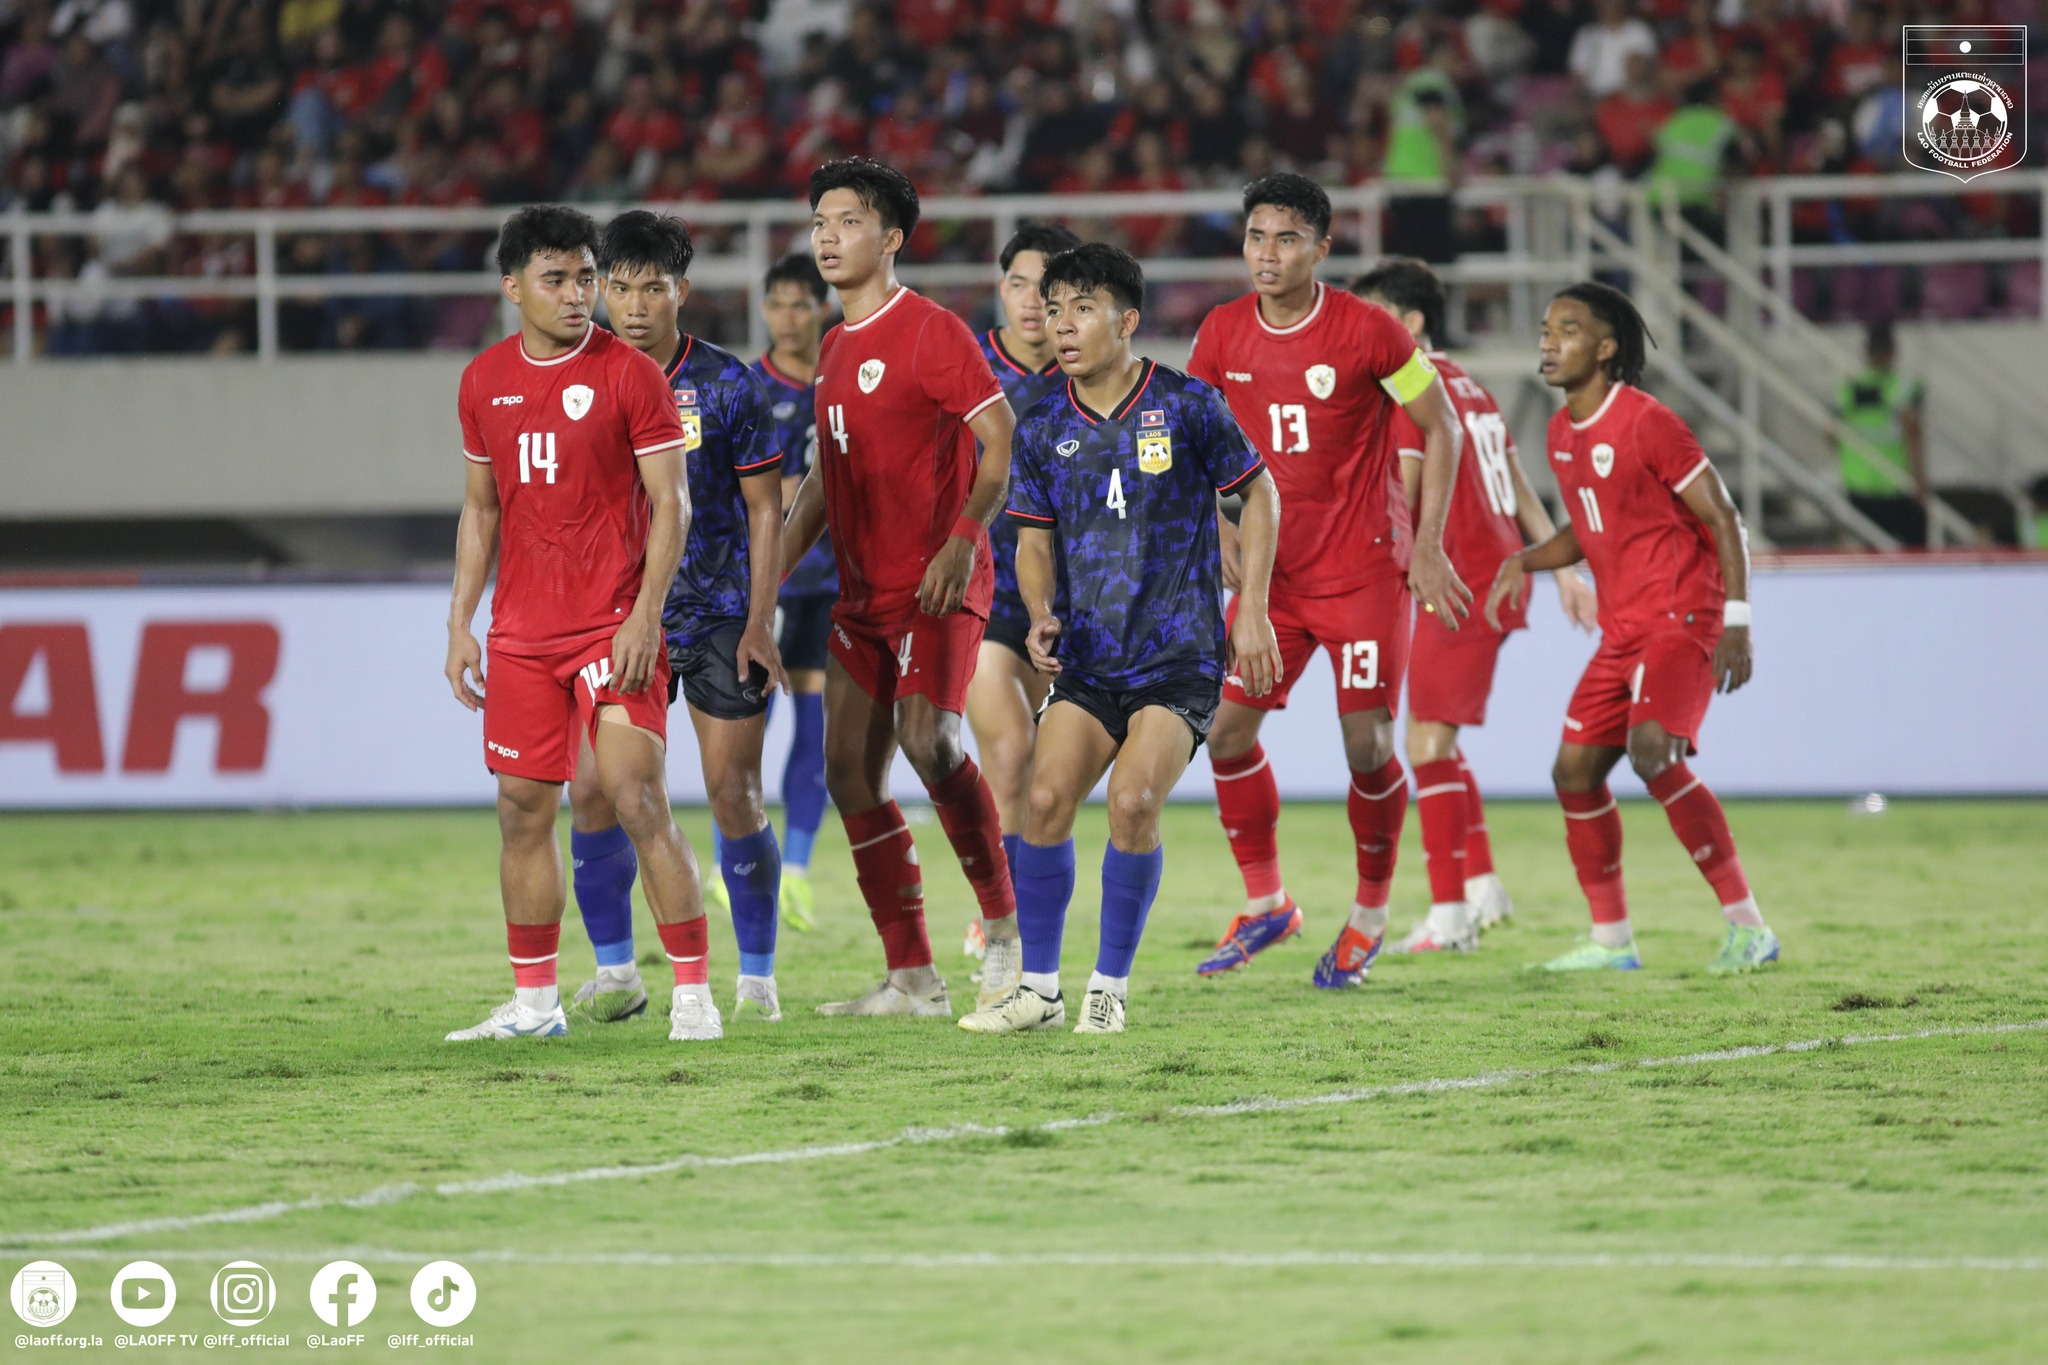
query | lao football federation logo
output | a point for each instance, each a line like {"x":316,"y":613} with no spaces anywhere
{"x":870,"y":375}
{"x":1322,"y":380}
{"x":1155,"y":453}
{"x":1965,"y":88}
{"x":1603,"y":459}
{"x":43,"y":1293}
{"x":693,"y":428}
{"x":576,"y":401}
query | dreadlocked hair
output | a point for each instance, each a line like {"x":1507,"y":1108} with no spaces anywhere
{"x":1632,"y":339}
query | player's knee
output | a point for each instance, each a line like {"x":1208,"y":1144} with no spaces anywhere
{"x":735,"y":799}
{"x":1049,"y":814}
{"x":1650,"y":753}
{"x":527,"y":814}
{"x":1429,"y":743}
{"x":932,"y":747}
{"x":589,"y":810}
{"x":1368,"y":746}
{"x":1233,"y":736}
{"x":643,"y":810}
{"x":1570,"y":774}
{"x":1133,"y":819}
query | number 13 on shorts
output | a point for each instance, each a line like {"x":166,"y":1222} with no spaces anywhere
{"x":1361,"y":668}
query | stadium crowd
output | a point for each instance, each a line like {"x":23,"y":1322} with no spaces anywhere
{"x":164,"y":105}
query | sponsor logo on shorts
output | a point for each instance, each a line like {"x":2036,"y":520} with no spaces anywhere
{"x":497,"y":748}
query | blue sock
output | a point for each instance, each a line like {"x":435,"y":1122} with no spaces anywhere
{"x":605,"y":867}
{"x":803,"y":780}
{"x":1045,"y":884}
{"x":1130,"y":881}
{"x":1011,"y":843}
{"x":753,"y":879}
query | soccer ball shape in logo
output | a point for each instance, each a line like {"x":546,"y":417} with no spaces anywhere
{"x":44,"y":1303}
{"x":1965,"y":120}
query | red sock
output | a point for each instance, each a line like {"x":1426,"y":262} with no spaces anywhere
{"x":1440,"y":800}
{"x":1248,"y":799}
{"x":1592,"y":831}
{"x":1478,"y":846}
{"x":689,"y":949}
{"x":1698,"y":821}
{"x":967,"y":812}
{"x":1379,"y":805}
{"x":885,"y":866}
{"x":534,"y":948}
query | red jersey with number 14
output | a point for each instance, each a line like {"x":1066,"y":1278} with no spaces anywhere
{"x":1309,"y":396}
{"x":895,"y":393}
{"x":563,"y":439}
{"x":1480,"y":529}
{"x":1621,"y":472}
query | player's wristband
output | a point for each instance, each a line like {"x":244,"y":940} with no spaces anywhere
{"x":967,"y":528}
{"x":1735,"y":614}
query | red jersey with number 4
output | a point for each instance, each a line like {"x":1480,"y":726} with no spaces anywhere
{"x":1309,"y":396}
{"x":1480,"y":529}
{"x":562,"y":438}
{"x":1621,"y":472}
{"x":895,"y":393}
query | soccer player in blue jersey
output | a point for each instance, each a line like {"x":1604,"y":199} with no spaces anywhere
{"x":1004,"y":697}
{"x":793,"y":305}
{"x":1114,"y":487}
{"x":718,"y":620}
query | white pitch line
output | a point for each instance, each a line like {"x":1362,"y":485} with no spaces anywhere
{"x":982,"y":1260}
{"x":515,"y":1180}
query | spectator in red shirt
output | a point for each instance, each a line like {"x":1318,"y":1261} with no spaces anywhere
{"x":405,"y":76}
{"x":733,"y":151}
{"x":1629,"y":118}
{"x":643,"y":132}
{"x":1694,"y":55}
{"x":1754,"y":96}
{"x":1857,"y":62}
{"x":928,"y":25}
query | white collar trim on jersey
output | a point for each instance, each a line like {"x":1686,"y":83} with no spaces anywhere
{"x":1322,"y":292}
{"x":894,"y":298}
{"x":569,"y":354}
{"x":1600,"y":412}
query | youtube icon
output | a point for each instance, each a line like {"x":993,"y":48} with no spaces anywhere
{"x":143,"y":1294}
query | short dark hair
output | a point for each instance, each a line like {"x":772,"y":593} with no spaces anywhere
{"x":1097,"y":265}
{"x":1411,"y":286}
{"x":1632,"y":338}
{"x":1296,"y":193}
{"x":539,"y":228}
{"x":1048,"y":239}
{"x":797,"y":268}
{"x":640,"y":240}
{"x":881,"y":188}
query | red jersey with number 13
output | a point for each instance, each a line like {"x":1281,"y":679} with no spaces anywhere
{"x":562,"y":438}
{"x":1480,"y":529}
{"x":1309,"y":396}
{"x":1621,"y":472}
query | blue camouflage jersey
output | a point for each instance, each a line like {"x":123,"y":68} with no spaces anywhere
{"x":1130,"y":499}
{"x":1024,"y":388}
{"x":793,"y":419}
{"x":725,"y":439}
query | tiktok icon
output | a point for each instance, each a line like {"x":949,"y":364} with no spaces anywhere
{"x":443,"y":1294}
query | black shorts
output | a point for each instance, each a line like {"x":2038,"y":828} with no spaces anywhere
{"x":1193,"y":699}
{"x":707,"y":673}
{"x":804,"y":624}
{"x":1009,"y":625}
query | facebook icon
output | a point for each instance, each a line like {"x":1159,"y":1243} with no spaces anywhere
{"x":343,"y":1293}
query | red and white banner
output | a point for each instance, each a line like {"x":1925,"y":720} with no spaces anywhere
{"x":1899,"y":677}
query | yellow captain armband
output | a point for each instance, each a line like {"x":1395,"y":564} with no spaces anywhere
{"x":1407,"y":384}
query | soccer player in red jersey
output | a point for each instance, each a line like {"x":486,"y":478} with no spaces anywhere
{"x":1314,"y":375}
{"x":1450,"y":673}
{"x":903,"y":395}
{"x":1666,"y":546}
{"x":576,"y":491}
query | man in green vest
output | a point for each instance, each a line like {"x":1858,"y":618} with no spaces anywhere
{"x":1425,"y":144}
{"x":1693,"y":150}
{"x":1887,"y":480}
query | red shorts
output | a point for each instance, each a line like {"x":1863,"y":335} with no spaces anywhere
{"x":917,"y":656}
{"x":535,"y":708}
{"x":1667,"y":677}
{"x":1366,"y":633}
{"x":1450,"y":672}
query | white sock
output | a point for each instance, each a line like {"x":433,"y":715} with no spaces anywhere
{"x":1370,"y":920}
{"x":1744,"y":911}
{"x":1477,"y":887}
{"x":1046,"y":984}
{"x":537,"y":999}
{"x":1266,"y":905}
{"x":629,"y":971}
{"x":1118,"y":986}
{"x":1452,"y":919}
{"x":1616,"y":935}
{"x":744,"y":979}
{"x":700,"y":989}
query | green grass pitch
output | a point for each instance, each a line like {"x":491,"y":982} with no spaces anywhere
{"x":202,"y":1013}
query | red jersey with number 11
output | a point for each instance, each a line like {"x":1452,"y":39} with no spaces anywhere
{"x":562,"y":438}
{"x":1480,"y":529}
{"x":1621,"y":472}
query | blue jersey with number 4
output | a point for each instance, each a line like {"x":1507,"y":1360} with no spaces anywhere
{"x":1130,"y":499}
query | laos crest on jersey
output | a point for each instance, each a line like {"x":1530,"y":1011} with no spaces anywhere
{"x":1603,"y":459}
{"x":693,"y":420}
{"x":870,"y":375}
{"x":576,"y":400}
{"x":1322,"y":380}
{"x":1155,"y":452}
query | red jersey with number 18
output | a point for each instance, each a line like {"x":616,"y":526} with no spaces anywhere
{"x":1480,"y":529}
{"x":563,"y":439}
{"x":895,"y":393}
{"x":1621,"y":472}
{"x":1312,"y":399}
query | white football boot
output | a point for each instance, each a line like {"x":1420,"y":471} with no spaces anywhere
{"x":1449,"y":928}
{"x":511,"y":1020}
{"x":692,"y":1017}
{"x":1023,"y":1010}
{"x":889,"y":999}
{"x":1488,"y":899}
{"x":758,"y":992}
{"x":1101,"y":1012}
